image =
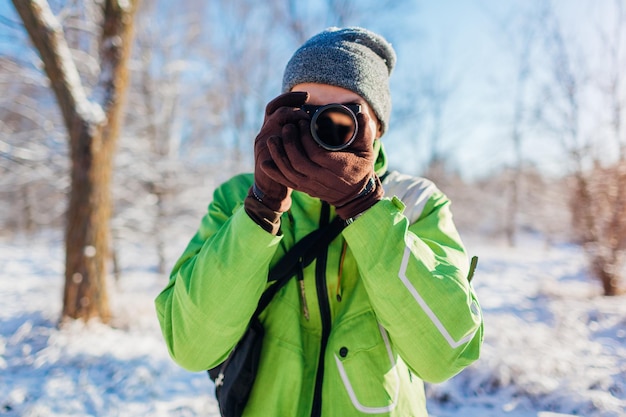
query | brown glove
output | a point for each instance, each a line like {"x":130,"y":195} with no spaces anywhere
{"x":267,"y":199}
{"x":344,"y":179}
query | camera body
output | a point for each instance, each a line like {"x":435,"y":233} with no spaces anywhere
{"x":333,"y":126}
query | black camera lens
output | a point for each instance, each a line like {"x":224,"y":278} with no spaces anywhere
{"x":333,"y":126}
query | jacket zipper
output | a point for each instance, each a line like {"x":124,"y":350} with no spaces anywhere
{"x":324,"y":305}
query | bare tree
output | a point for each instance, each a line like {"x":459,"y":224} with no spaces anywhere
{"x":148,"y":167}
{"x":598,"y":189}
{"x":437,"y":91}
{"x":92,"y":127}
{"x":607,"y":185}
{"x":30,"y":151}
{"x":433,"y":114}
{"x":523,"y":68}
{"x":201,"y":75}
{"x":248,"y":56}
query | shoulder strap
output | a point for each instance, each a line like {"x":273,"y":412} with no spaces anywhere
{"x":300,"y":255}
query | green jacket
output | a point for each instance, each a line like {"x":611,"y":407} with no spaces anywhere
{"x":393,"y":307}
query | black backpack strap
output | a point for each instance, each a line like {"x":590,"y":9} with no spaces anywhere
{"x":299,"y":256}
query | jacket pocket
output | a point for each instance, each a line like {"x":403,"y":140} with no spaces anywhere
{"x":366,"y":365}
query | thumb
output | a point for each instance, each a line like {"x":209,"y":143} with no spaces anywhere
{"x":365,"y":137}
{"x":290,"y":99}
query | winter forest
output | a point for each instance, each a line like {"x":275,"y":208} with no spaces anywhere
{"x":119,"y":118}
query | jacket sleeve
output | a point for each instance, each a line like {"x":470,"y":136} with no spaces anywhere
{"x":215,"y":285}
{"x":416,"y":278}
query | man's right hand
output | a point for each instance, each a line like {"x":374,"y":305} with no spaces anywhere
{"x":266,"y":195}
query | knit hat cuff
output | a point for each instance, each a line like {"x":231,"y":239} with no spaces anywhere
{"x":352,"y":58}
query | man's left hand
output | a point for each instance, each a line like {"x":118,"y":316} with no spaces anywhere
{"x":344,"y":179}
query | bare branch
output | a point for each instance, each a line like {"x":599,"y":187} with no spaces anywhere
{"x":47,"y":36}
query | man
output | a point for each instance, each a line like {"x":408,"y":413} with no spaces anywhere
{"x":386,"y":306}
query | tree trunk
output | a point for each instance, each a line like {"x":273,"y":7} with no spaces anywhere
{"x":87,"y":231}
{"x":92,"y":127}
{"x":599,"y":268}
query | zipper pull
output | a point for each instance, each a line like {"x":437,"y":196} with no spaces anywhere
{"x":305,"y":307}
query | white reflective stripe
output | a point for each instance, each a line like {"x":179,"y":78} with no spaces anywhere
{"x":433,"y":317}
{"x":355,"y":401}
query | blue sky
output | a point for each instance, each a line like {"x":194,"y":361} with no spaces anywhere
{"x":465,"y":44}
{"x":8,"y":22}
{"x":462,"y":45}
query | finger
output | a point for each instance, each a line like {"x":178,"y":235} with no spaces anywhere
{"x":308,"y":176}
{"x":316,"y":153}
{"x":364,"y":140}
{"x":290,"y":99}
{"x":294,"y":175}
{"x":270,"y":169}
{"x":294,"y":149}
{"x":269,"y":166}
{"x":333,"y":160}
{"x":283,"y":173}
{"x":285,"y":115}
{"x":282,"y":161}
{"x":261,"y":153}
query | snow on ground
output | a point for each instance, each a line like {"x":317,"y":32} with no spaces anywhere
{"x":552,"y":343}
{"x":553,"y":346}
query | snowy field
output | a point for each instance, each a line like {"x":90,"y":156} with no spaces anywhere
{"x":553,"y":346}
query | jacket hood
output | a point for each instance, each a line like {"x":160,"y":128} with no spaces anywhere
{"x":381,"y":164}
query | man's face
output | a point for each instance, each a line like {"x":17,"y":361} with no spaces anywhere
{"x":321,"y":94}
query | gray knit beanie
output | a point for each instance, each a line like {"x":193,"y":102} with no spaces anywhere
{"x":352,"y":58}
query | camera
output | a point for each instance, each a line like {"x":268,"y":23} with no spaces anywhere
{"x":333,"y":126}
